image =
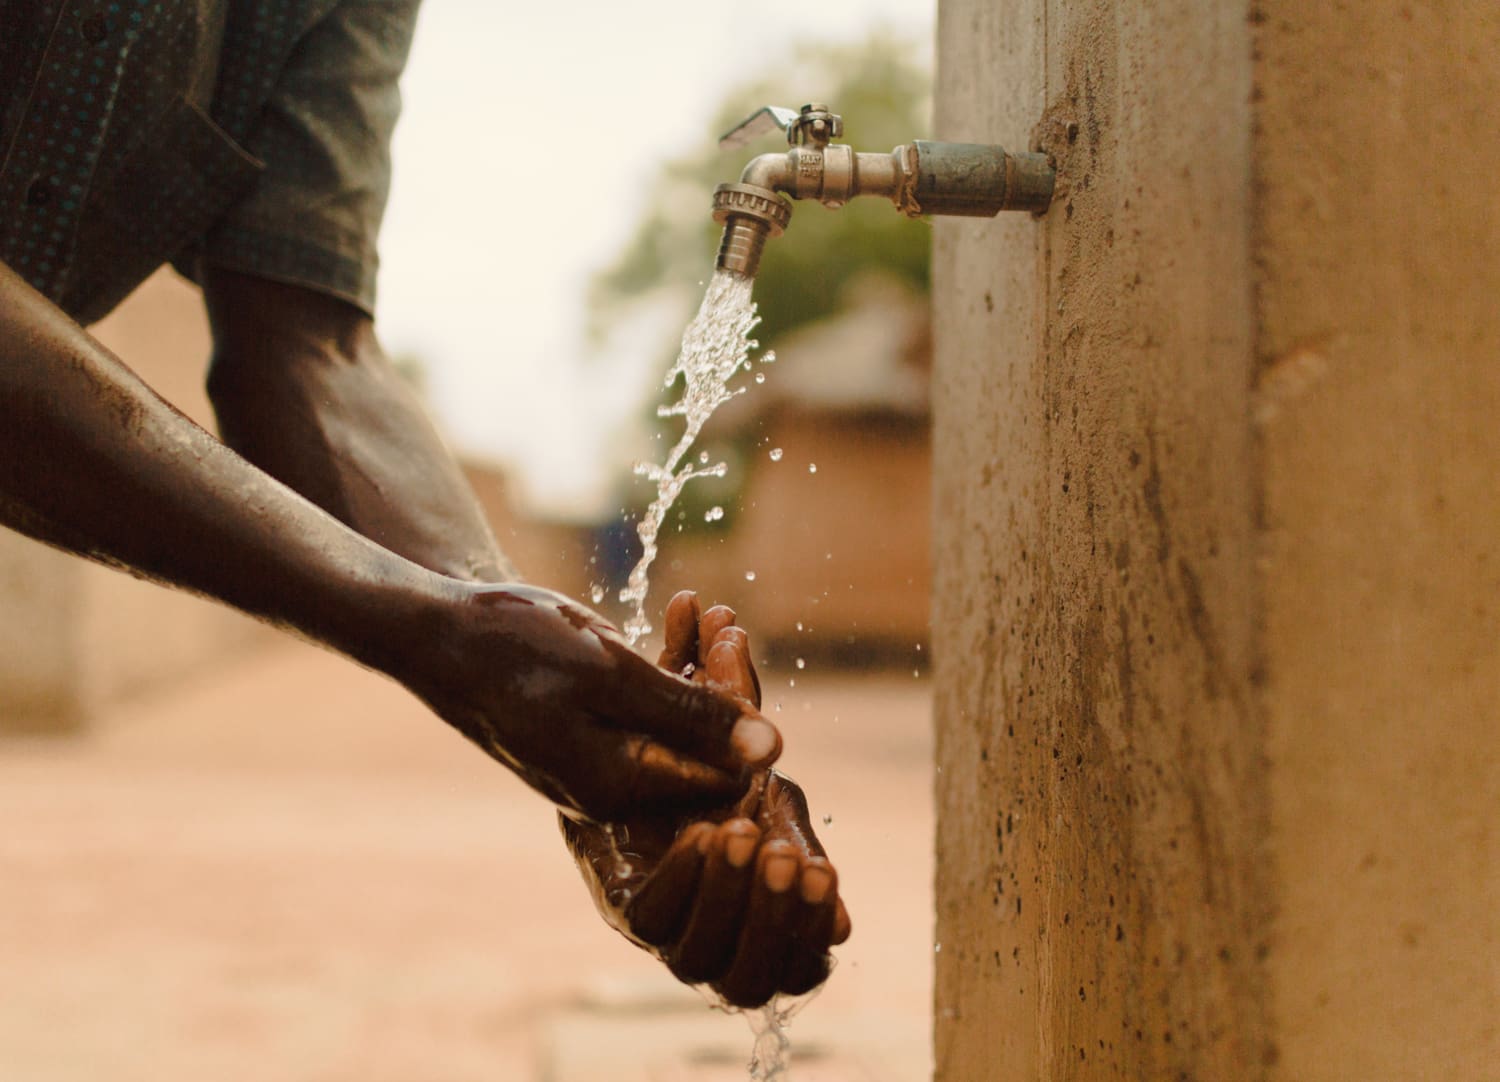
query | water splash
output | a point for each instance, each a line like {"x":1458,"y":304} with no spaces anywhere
{"x":715,"y":346}
{"x":771,"y":1057}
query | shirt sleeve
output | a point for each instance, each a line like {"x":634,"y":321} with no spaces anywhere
{"x":324,"y":135}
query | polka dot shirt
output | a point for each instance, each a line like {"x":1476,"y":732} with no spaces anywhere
{"x":248,"y":134}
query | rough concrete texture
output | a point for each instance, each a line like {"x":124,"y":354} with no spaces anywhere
{"x":1215,"y":545}
{"x":1377,"y":407}
{"x":1098,"y":895}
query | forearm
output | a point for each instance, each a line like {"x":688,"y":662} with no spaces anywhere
{"x":302,"y":388}
{"x":91,"y":460}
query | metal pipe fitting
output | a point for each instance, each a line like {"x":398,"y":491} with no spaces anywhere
{"x":921,"y":177}
{"x":975,"y":180}
{"x":750,"y":215}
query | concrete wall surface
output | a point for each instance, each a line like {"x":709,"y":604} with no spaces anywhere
{"x":1377,"y":409}
{"x":1216,"y":630}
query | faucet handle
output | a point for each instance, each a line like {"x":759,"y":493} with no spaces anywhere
{"x":761,"y":122}
{"x":814,"y":125}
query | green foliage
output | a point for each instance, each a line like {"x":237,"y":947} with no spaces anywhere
{"x":883,"y":92}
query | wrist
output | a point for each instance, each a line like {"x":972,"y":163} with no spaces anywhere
{"x":400,"y":622}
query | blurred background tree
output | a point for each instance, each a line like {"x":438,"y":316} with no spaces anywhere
{"x":883,"y":90}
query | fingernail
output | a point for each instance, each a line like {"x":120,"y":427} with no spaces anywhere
{"x":756,"y":740}
{"x":779,"y":872}
{"x":815,"y":884}
{"x":739,"y":849}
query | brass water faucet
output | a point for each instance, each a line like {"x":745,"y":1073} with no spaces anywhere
{"x":919,"y":177}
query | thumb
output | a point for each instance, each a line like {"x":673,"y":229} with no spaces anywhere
{"x":693,"y":720}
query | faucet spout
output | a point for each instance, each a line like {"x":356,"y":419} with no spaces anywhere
{"x":920,"y":177}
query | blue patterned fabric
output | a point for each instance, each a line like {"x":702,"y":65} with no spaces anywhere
{"x":250,"y":134}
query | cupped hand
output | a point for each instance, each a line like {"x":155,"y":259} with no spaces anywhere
{"x":552,"y":690}
{"x":743,"y":899}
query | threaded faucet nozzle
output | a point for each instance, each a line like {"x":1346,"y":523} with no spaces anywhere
{"x":751,"y":216}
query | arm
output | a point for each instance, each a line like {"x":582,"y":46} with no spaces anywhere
{"x":93,"y":462}
{"x":302,"y":389}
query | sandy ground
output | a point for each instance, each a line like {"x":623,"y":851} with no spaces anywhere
{"x":288,"y":870}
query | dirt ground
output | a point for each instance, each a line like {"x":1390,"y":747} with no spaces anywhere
{"x":288,"y":870}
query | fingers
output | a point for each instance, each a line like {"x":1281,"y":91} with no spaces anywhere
{"x":692,"y":637}
{"x":680,"y":631}
{"x":712,"y":932}
{"x":729,"y":672}
{"x":710,"y":627}
{"x":659,"y":911}
{"x":733,"y":673}
{"x":747,"y":912}
{"x":790,"y":921}
{"x":807,"y":958}
{"x":753,"y":976}
{"x":784,"y":814}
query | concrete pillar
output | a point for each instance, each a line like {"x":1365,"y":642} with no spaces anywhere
{"x":1217,"y":621}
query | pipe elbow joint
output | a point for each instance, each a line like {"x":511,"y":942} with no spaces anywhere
{"x":772,"y":172}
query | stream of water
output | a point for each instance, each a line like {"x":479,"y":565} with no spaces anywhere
{"x":715,"y":348}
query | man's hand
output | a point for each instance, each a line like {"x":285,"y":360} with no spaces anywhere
{"x":554,"y":691}
{"x":743,"y":899}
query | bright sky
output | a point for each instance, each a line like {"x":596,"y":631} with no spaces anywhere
{"x":529,"y":137}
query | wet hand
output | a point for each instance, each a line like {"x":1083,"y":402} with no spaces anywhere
{"x":744,"y":899}
{"x":552,"y":689}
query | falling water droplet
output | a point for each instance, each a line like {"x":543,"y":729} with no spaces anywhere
{"x":768,"y":357}
{"x":801,"y":662}
{"x":792,"y":682}
{"x":937,"y":948}
{"x":703,"y":457}
{"x":775,"y":454}
{"x":799,"y":625}
{"x":713,"y":514}
{"x":596,"y":593}
{"x":749,"y":576}
{"x":760,"y":377}
{"x":812,"y":467}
